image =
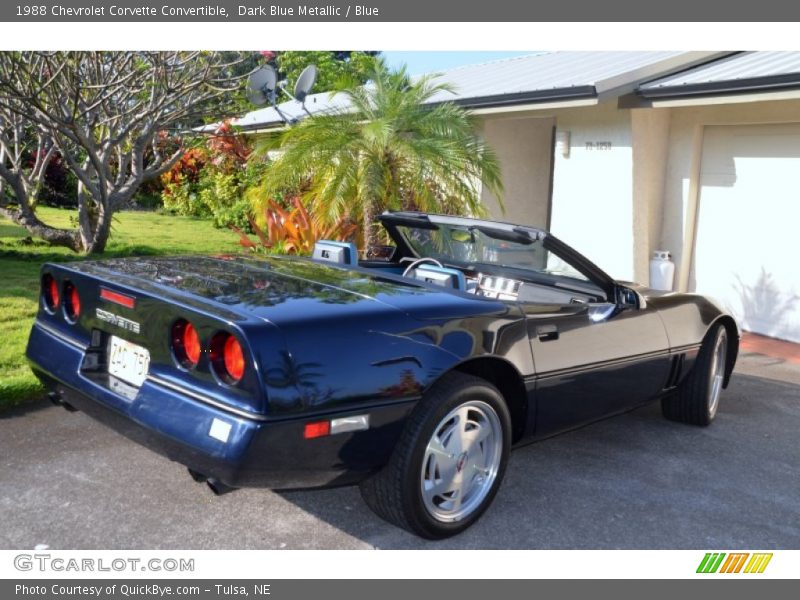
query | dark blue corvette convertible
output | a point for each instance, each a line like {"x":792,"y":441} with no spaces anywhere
{"x":412,"y":375}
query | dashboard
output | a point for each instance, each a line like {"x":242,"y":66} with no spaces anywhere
{"x":502,"y":288}
{"x":499,"y":287}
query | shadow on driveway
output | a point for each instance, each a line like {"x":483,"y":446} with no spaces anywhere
{"x":633,"y":481}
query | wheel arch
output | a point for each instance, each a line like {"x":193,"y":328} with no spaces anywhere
{"x":508,"y":380}
{"x":733,"y":344}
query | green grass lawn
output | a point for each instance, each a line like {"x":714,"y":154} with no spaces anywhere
{"x":133,"y":233}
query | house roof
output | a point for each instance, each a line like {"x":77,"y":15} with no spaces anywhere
{"x":543,"y":77}
{"x":740,"y":72}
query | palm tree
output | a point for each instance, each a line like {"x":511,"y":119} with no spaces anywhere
{"x":390,"y":150}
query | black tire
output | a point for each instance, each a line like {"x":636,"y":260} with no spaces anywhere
{"x":395,"y":493}
{"x":693,"y":402}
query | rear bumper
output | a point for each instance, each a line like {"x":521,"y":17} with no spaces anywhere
{"x":237,"y":450}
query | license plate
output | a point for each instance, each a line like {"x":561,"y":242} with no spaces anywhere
{"x":127,"y":361}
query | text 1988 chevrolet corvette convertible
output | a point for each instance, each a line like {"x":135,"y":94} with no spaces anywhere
{"x":413,"y":375}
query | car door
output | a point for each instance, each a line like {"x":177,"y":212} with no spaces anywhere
{"x":593,"y":356}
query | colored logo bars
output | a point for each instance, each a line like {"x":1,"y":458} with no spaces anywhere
{"x":716,"y":562}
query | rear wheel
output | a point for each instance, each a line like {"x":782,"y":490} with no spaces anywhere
{"x":449,"y":462}
{"x":697,"y":399}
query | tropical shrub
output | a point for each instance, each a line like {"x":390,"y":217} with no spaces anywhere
{"x":394,"y":149}
{"x":213,"y":180}
{"x":182,"y":184}
{"x":222,"y":195}
{"x":292,"y":230}
{"x":188,"y":169}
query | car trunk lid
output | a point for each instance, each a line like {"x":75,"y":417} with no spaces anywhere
{"x":279,"y":289}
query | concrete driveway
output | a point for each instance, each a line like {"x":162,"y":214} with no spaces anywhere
{"x":633,"y":481}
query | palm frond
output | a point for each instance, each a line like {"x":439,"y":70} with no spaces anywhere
{"x":391,"y":150}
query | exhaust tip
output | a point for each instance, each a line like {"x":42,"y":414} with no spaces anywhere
{"x":198,"y":477}
{"x":57,"y":398}
{"x":219,"y":488}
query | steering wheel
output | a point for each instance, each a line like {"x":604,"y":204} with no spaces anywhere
{"x":418,"y":262}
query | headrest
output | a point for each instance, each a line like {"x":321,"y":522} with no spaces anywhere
{"x":342,"y":253}
{"x":443,"y":276}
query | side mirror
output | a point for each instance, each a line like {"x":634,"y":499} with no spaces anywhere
{"x":601,"y":311}
{"x":628,"y":298}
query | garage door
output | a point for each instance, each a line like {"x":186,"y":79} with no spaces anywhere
{"x":747,"y":252}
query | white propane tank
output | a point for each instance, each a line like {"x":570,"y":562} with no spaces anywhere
{"x":662,"y":270}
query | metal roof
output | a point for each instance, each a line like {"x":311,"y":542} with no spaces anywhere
{"x":520,"y":80}
{"x":741,"y":72}
{"x":551,"y":72}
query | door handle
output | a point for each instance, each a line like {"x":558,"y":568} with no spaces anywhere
{"x":547,"y":333}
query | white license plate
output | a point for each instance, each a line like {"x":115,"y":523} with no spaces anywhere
{"x":128,"y":361}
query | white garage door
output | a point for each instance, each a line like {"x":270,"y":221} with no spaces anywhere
{"x":747,"y":252}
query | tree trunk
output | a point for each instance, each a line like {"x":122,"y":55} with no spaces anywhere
{"x":53,"y":235}
{"x":369,"y":226}
{"x":101,"y":232}
{"x":101,"y":239}
{"x":94,"y":215}
{"x":24,"y":216}
{"x":87,"y":216}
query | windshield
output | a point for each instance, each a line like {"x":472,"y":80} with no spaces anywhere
{"x":464,"y":245}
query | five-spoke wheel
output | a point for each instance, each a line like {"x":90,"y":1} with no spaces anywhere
{"x":449,"y":461}
{"x":461,"y":461}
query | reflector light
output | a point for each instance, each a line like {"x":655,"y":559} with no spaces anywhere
{"x":117,"y":298}
{"x":318,"y":429}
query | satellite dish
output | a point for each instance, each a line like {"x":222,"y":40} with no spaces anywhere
{"x":261,"y":85}
{"x":305,"y":82}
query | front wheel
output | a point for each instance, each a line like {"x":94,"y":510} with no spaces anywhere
{"x":449,"y":462}
{"x":697,"y":399}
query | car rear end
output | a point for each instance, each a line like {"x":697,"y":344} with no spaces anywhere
{"x":176,"y":372}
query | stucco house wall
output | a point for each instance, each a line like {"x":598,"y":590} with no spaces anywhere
{"x":589,"y":204}
{"x":523,"y":146}
{"x":629,"y":183}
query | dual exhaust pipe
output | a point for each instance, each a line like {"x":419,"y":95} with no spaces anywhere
{"x":215,"y":485}
{"x":57,"y":398}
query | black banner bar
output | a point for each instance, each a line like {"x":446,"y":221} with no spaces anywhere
{"x":398,"y":589}
{"x":398,"y":11}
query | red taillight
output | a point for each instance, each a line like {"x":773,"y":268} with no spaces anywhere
{"x":191,"y":342}
{"x":50,"y":292}
{"x":186,"y":343}
{"x":54,"y":293}
{"x":227,"y":357}
{"x":318,"y":429}
{"x":72,"y":302}
{"x":233,"y":358}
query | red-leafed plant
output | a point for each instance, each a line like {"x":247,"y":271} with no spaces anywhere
{"x":229,"y":149}
{"x":292,"y":230}
{"x":188,"y":168}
